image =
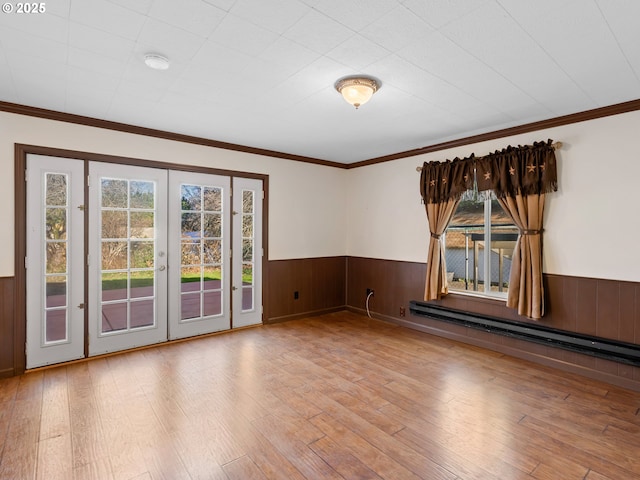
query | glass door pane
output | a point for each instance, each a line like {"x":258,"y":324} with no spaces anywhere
{"x":248,"y":243}
{"x":127,"y":218}
{"x":56,"y":244}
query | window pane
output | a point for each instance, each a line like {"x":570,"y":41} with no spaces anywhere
{"x":247,"y":298}
{"x":56,"y":223}
{"x":213,"y":199}
{"x":191,"y":252}
{"x":212,"y":225}
{"x":212,"y":278}
{"x":142,"y":314}
{"x":212,"y":303}
{"x":504,"y":235}
{"x":114,"y":193}
{"x":247,"y":274}
{"x":114,"y":255}
{"x":212,"y":251}
{"x":56,"y":257}
{"x":142,"y":254}
{"x":56,"y":291}
{"x":142,"y":225}
{"x":471,"y":264}
{"x":56,"y":190}
{"x":190,"y":306}
{"x":247,"y":249}
{"x":191,"y":225}
{"x":114,"y":317}
{"x":142,"y":284}
{"x":56,"y":325}
{"x":114,"y":286}
{"x":142,"y":194}
{"x":247,"y":201}
{"x":114,"y":224}
{"x":190,"y":197}
{"x":190,"y":279}
{"x":247,"y":226}
{"x":464,"y":245}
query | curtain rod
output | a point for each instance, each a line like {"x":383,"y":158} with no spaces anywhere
{"x":555,"y":146}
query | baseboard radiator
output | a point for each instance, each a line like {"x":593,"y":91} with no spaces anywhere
{"x":628,"y":353}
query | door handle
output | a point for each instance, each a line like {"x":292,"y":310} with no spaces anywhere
{"x":162,"y":268}
{"x":234,"y":288}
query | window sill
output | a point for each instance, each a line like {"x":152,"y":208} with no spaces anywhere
{"x":498,"y":297}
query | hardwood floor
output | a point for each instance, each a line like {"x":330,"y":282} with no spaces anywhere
{"x":337,"y":396}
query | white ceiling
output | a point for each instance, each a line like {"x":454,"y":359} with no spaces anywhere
{"x":260,"y":73}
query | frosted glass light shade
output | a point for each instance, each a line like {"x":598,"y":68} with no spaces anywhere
{"x":357,"y":90}
{"x":155,"y":61}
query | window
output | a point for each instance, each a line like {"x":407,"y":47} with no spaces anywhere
{"x":479,"y":221}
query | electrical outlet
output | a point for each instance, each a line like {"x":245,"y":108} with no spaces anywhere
{"x":402,"y":311}
{"x":370,"y":292}
{"x":296,"y":295}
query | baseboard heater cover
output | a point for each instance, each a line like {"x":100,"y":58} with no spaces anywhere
{"x":628,"y":353}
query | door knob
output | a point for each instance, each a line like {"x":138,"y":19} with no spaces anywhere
{"x":162,"y":268}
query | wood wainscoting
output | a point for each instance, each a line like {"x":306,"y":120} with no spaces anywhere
{"x":320,"y":284}
{"x":603,"y":308}
{"x":7,"y":289}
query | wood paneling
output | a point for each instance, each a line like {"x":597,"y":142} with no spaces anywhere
{"x":605,"y":308}
{"x":6,"y":326}
{"x":320,"y":283}
{"x":394,"y":283}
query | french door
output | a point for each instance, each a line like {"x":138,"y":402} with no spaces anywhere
{"x":54,"y":262}
{"x":248,"y":252}
{"x":127,"y":257}
{"x":200,"y":275}
{"x":169,"y":254}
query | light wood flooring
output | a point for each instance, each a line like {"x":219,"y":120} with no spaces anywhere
{"x":337,"y":396}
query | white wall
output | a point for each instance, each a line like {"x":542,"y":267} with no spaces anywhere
{"x":592,"y":224}
{"x":306,"y":202}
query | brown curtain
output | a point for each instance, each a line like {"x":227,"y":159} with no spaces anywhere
{"x":520,"y":177}
{"x":441,"y":186}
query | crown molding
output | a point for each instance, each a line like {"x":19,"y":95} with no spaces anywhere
{"x":152,"y":132}
{"x":178,"y":137}
{"x":506,"y":132}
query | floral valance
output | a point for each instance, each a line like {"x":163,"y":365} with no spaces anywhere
{"x":522,"y":170}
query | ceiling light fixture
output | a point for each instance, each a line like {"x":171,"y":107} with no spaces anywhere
{"x":357,"y":90}
{"x":156,"y":61}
